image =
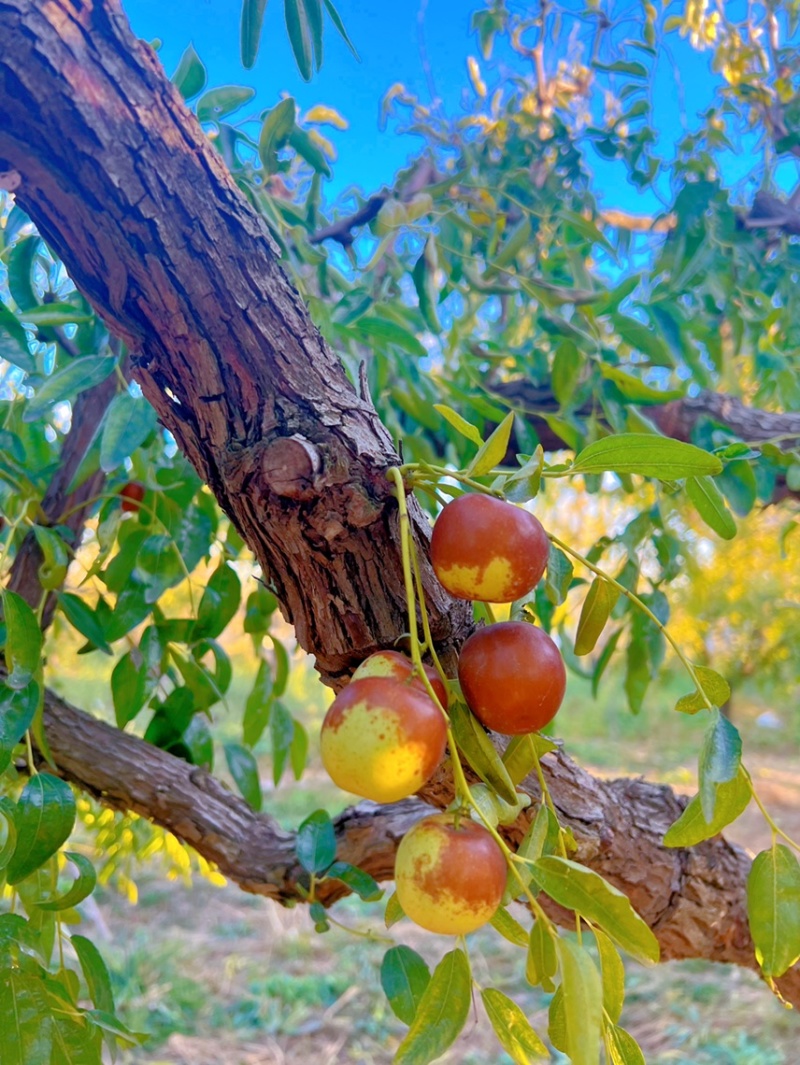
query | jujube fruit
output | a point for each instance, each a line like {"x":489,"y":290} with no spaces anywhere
{"x":484,"y":548}
{"x":395,"y":665}
{"x":382,"y":739}
{"x":449,"y":879}
{"x":131,"y":494}
{"x":512,"y":676}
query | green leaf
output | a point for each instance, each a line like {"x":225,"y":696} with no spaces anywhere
{"x":425,"y":284}
{"x":250,"y":30}
{"x":81,"y":888}
{"x":509,"y":927}
{"x":460,"y":424}
{"x":644,"y":338}
{"x":580,"y":889}
{"x":359,"y":881}
{"x":315,"y":846}
{"x":13,"y":342}
{"x":732,"y":799}
{"x":523,"y":752}
{"x":441,"y":1013}
{"x":298,"y":750}
{"x":313,"y":9}
{"x":219,"y":603}
{"x":517,"y":240}
{"x":158,"y":567}
{"x":299,"y":35}
{"x":244,"y":770}
{"x":128,"y":422}
{"x":94,"y":972}
{"x":542,"y":961}
{"x":645,"y":454}
{"x":512,"y":1028}
{"x":55,"y":560}
{"x":716,"y":688}
{"x":8,"y":832}
{"x":258,"y":706}
{"x":711,"y":506}
{"x":190,"y":75}
{"x":17,"y":710}
{"x":75,"y":377}
{"x":282,"y":733}
{"x":275,"y":132}
{"x":44,"y":818}
{"x":128,"y":689}
{"x":337,"y":21}
{"x":225,"y":100}
{"x":582,"y":992}
{"x":567,"y":366}
{"x":27,"y":1019}
{"x":559,"y":575}
{"x":404,"y":978}
{"x":478,"y":749}
{"x":596,"y":611}
{"x":773,"y":909}
{"x":20,"y":269}
{"x":719,"y":762}
{"x":81,"y":616}
{"x":23,"y":640}
{"x":302,"y":143}
{"x":621,"y":1047}
{"x":394,"y":911}
{"x":524,"y":485}
{"x":52,"y":314}
{"x":493,"y":452}
{"x":392,"y":333}
{"x":613,"y":973}
{"x":634,"y":389}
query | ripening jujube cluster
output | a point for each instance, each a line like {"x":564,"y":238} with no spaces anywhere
{"x":384,"y":735}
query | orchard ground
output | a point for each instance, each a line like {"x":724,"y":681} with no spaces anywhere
{"x":219,"y":977}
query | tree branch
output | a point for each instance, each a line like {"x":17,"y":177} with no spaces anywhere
{"x":693,"y":899}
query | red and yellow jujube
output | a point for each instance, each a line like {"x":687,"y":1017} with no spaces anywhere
{"x":382,"y":739}
{"x":512,"y":676}
{"x":449,"y":877}
{"x":484,"y":548}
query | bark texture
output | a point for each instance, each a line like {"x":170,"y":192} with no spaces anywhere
{"x":154,"y":232}
{"x":692,"y":898}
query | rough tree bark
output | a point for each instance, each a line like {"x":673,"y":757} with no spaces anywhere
{"x":156,"y":236}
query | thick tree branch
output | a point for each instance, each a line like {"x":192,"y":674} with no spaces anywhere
{"x":692,"y":898}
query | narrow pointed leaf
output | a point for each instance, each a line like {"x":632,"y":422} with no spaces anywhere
{"x":359,"y":881}
{"x":250,"y":30}
{"x":44,"y":818}
{"x":316,"y":842}
{"x":719,"y":762}
{"x":732,"y":799}
{"x":337,"y":21}
{"x":75,"y":377}
{"x":23,"y":640}
{"x":81,"y":888}
{"x":513,"y":1029}
{"x":493,"y":452}
{"x":404,"y":978}
{"x":582,"y":992}
{"x":612,"y":971}
{"x":244,"y":770}
{"x":716,"y":688}
{"x":480,"y":752}
{"x":587,"y":893}
{"x":460,"y":424}
{"x":441,"y":1013}
{"x":299,"y":35}
{"x":95,"y":973}
{"x":621,"y":1047}
{"x":646,"y":454}
{"x":596,"y":610}
{"x":773,"y":909}
{"x":711,"y":506}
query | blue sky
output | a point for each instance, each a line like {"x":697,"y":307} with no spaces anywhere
{"x":387,"y":38}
